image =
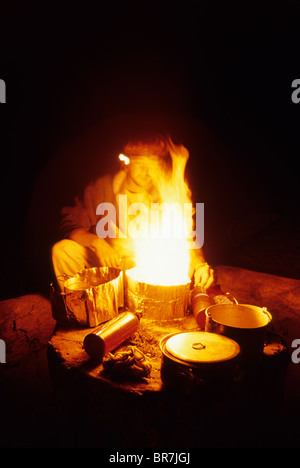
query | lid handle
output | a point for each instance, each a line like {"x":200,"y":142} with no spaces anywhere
{"x":198,"y":346}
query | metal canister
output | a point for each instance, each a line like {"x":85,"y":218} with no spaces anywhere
{"x":200,"y":301}
{"x":110,"y":335}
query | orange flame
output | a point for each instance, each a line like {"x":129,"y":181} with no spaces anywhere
{"x":163,"y":257}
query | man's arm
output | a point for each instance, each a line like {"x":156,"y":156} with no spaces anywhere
{"x":107,"y":256}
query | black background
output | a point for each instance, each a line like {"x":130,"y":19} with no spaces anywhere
{"x":82,"y":79}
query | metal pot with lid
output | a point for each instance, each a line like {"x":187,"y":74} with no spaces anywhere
{"x":244,"y":323}
{"x":195,"y":359}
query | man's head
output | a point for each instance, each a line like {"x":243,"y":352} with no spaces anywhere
{"x":145,"y":162}
{"x":151,"y":147}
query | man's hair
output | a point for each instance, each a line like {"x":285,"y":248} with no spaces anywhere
{"x":151,"y":146}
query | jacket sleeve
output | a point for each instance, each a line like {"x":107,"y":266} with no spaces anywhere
{"x":83,"y":213}
{"x":74,"y":217}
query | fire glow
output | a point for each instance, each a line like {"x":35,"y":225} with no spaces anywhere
{"x":163,"y":256}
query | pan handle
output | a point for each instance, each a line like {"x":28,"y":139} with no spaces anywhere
{"x":268,"y":314}
{"x":210,"y":322}
{"x":231,"y":297}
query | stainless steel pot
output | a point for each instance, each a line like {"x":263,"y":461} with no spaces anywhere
{"x":193,"y":360}
{"x":246,"y":324}
{"x":156,"y":302}
{"x":94,"y":295}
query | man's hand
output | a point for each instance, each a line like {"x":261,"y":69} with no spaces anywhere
{"x":107,"y":256}
{"x":203,"y":275}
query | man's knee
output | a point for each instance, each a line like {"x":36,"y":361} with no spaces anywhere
{"x":67,"y":259}
{"x":62,"y":249}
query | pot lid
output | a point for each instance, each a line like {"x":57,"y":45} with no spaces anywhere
{"x":202,"y":347}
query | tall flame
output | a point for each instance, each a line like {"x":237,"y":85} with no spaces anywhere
{"x":163,"y":257}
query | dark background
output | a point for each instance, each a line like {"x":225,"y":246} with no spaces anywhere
{"x":81,"y":80}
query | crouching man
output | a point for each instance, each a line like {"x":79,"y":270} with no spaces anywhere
{"x":138,"y":179}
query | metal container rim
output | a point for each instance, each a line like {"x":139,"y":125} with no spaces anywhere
{"x":262,"y":310}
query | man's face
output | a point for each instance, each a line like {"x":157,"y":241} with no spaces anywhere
{"x":143,"y":170}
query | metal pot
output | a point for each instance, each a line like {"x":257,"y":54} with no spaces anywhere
{"x":154,"y":301}
{"x":193,"y":360}
{"x":94,"y":295}
{"x":246,"y":324}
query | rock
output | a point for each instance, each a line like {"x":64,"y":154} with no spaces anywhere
{"x":26,"y":324}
